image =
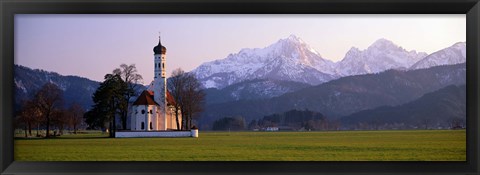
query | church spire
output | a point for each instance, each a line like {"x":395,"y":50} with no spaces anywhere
{"x":159,"y":39}
{"x":159,"y":49}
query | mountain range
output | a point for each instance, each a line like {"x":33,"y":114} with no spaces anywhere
{"x":347,"y":95}
{"x":291,"y":59}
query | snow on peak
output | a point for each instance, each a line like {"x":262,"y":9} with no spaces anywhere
{"x":382,"y":55}
{"x":295,"y":41}
{"x":291,"y":41}
{"x":460,"y":45}
{"x":289,"y":57}
{"x":292,"y":59}
{"x":454,"y":54}
{"x":384,"y":44}
{"x":382,"y":41}
{"x":281,"y":47}
{"x":353,"y":50}
{"x":295,"y":38}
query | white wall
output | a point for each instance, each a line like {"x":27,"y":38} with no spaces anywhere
{"x":127,"y":134}
{"x":146,"y":118}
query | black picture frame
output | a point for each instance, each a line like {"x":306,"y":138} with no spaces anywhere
{"x":8,"y":9}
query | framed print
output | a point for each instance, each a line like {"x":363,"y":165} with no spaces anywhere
{"x":228,"y":87}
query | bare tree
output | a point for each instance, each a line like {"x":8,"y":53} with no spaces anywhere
{"x":188,"y":95}
{"x":75,"y":116}
{"x":29,"y":115}
{"x":132,"y":79}
{"x":59,"y":120}
{"x":175,"y":87}
{"x":193,"y":99}
{"x":48,"y":100}
{"x":129,"y":74}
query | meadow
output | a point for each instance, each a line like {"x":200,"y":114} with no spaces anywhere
{"x":415,"y":145}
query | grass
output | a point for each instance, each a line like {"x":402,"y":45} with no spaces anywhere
{"x":427,"y":145}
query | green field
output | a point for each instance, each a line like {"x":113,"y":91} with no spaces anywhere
{"x":436,"y":145}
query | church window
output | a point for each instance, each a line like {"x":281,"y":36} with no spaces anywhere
{"x":151,"y":111}
{"x":158,"y":65}
{"x":151,"y":126}
{"x":163,"y":65}
{"x":143,"y":125}
{"x":143,"y":111}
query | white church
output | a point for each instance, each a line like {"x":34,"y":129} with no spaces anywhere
{"x":153,"y":110}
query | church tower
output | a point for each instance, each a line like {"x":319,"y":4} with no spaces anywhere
{"x":160,"y":85}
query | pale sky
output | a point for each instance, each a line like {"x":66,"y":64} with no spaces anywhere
{"x":93,"y":45}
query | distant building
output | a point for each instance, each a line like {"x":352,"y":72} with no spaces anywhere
{"x":271,"y":129}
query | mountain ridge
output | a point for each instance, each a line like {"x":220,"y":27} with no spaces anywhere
{"x":451,"y":55}
{"x":252,"y":89}
{"x":76,"y":89}
{"x":381,"y":55}
{"x":291,"y":59}
{"x":438,"y":109}
{"x":347,"y":95}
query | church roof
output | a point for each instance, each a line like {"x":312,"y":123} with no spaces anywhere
{"x":146,"y":98}
{"x":170,"y":99}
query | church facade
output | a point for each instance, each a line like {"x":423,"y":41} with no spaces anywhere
{"x":153,"y":110}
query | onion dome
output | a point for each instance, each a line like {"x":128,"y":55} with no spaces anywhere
{"x":159,"y":49}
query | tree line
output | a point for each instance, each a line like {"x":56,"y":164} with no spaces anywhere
{"x":47,"y":111}
{"x":289,"y":120}
{"x":229,"y":124}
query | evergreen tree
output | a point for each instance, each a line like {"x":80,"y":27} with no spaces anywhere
{"x":109,"y":102}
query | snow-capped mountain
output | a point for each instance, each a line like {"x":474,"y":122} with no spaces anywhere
{"x":451,"y":55}
{"x":380,"y":56}
{"x":289,"y":59}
